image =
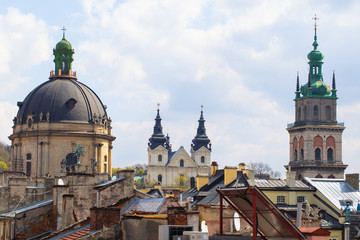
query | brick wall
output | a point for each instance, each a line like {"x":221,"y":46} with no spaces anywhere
{"x":100,"y":217}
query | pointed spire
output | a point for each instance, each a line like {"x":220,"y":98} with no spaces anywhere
{"x":201,"y":139}
{"x":315,"y":44}
{"x":297,"y":82}
{"x":333,"y":81}
{"x":157,"y":138}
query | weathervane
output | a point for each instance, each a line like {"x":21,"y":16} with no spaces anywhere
{"x":315,"y":19}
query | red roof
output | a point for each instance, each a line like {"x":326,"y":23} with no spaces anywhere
{"x":77,"y":235}
{"x":314,"y":231}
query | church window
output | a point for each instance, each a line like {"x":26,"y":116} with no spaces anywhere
{"x":28,"y":156}
{"x":160,"y":158}
{"x":159,"y":178}
{"x":317,"y":154}
{"x":328,"y":113}
{"x":105,"y":158}
{"x":28,"y":169}
{"x":330,"y":155}
{"x":302,"y":154}
{"x":202,"y":159}
{"x":192,"y":182}
{"x":300,"y":199}
{"x":316,"y":112}
{"x":29,"y":122}
{"x":280,"y":199}
{"x":295,"y":155}
{"x":181,"y":163}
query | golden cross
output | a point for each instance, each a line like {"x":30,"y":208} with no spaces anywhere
{"x":315,"y":19}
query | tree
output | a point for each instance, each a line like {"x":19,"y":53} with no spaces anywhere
{"x":263,"y":170}
{"x":3,"y":166}
{"x":115,"y":170}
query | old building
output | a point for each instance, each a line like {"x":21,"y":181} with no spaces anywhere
{"x":61,"y":125}
{"x":316,"y":136}
{"x":169,"y":168}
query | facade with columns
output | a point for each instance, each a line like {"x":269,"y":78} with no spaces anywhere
{"x":177,"y":168}
{"x":316,"y":136}
{"x":62,"y":125}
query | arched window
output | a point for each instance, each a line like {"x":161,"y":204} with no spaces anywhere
{"x":331,"y":176}
{"x":330,"y":155}
{"x":316,"y":112}
{"x":159,"y":178}
{"x":181,"y":163}
{"x":317,"y":154}
{"x":160,"y":158}
{"x":318,"y":176}
{"x":202,"y":159}
{"x":192,"y":182}
{"x":105,"y":158}
{"x":28,"y":156}
{"x":328,"y":113}
{"x":295,"y":155}
{"x":28,"y":169}
{"x":302,"y":154}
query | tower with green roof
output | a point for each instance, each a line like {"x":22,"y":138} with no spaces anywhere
{"x":316,"y":136}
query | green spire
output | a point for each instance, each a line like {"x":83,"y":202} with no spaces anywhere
{"x":63,"y":53}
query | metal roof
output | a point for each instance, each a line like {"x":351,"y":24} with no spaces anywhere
{"x":271,"y":221}
{"x":278,"y":183}
{"x":12,"y":213}
{"x":104,"y":184}
{"x":144,"y":205}
{"x":337,"y":191}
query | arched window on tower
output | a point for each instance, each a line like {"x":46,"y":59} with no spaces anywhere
{"x":160,"y":158}
{"x":316,"y":112}
{"x":330,"y":155}
{"x":202,"y":159}
{"x":302,"y":154}
{"x":181,"y":163}
{"x":295,"y":155}
{"x":328,"y":113}
{"x":317,"y":154}
{"x":159,"y":178}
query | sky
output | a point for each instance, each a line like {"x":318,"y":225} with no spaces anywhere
{"x":237,"y":58}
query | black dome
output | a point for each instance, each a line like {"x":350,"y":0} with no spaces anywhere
{"x":65,"y":99}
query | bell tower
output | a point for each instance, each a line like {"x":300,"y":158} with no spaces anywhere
{"x":316,"y":136}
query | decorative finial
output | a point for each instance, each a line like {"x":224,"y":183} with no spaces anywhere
{"x":202,"y":107}
{"x":333,"y":81}
{"x":297,"y":82}
{"x":158,"y":106}
{"x":315,"y":19}
{"x":63,"y":29}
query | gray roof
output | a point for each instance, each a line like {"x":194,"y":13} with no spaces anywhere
{"x":337,"y":191}
{"x":279,"y":183}
{"x":67,"y":100}
{"x":107,"y":183}
{"x":144,"y":205}
{"x":12,"y":213}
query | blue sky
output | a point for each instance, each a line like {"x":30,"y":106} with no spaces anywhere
{"x":237,"y":58}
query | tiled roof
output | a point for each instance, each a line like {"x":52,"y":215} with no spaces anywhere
{"x":336,"y":190}
{"x":76,"y":234}
{"x":144,"y":205}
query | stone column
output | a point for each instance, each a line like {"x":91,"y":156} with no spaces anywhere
{"x":110,"y":160}
{"x":12,"y":157}
{"x":39,"y":160}
{"x":99,"y":157}
{"x":46,"y":158}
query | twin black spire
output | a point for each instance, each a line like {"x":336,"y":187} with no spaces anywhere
{"x":158,"y":138}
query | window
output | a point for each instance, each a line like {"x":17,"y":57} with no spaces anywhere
{"x":302,"y":154}
{"x":316,"y":112}
{"x":328,"y":113}
{"x":105,"y":167}
{"x":105,"y":158}
{"x":159,"y":178}
{"x":330,"y":155}
{"x":300,"y":199}
{"x":317,"y":154}
{"x":28,"y":156}
{"x":160,"y":158}
{"x":181,"y":163}
{"x":28,"y":169}
{"x":192,"y":182}
{"x":318,"y":176}
{"x":202,"y":159}
{"x":280,"y":199}
{"x":295,"y":155}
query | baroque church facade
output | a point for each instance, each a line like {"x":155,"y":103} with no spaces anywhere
{"x":316,"y":136}
{"x":62,"y":125}
{"x":168,"y":168}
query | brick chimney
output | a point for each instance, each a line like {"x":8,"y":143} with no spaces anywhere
{"x":230,"y":174}
{"x":214,"y":168}
{"x":290,"y":179}
{"x":353,"y":180}
{"x":201,"y":180}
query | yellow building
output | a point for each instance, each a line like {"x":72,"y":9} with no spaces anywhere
{"x":62,"y":125}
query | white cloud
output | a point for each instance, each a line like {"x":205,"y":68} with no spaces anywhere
{"x":7,"y":113}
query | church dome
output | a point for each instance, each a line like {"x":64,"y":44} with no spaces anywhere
{"x":61,"y":100}
{"x":315,"y":55}
{"x":63,"y":44}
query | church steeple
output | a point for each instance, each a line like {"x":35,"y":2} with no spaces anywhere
{"x":63,"y":53}
{"x":201,"y":139}
{"x":157,"y":137}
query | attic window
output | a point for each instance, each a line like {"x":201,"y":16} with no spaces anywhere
{"x":300,"y":199}
{"x":280,"y":199}
{"x":71,"y":103}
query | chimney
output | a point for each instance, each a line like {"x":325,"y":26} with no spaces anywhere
{"x":241,"y":167}
{"x":250,"y":173}
{"x":230,"y":174}
{"x":214,"y":168}
{"x":353,"y":180}
{"x":290,"y":179}
{"x":201,"y":180}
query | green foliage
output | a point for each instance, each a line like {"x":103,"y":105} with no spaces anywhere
{"x":114,"y":170}
{"x":139,"y":184}
{"x":139,"y":172}
{"x":5,"y":158}
{"x":3,"y":166}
